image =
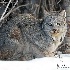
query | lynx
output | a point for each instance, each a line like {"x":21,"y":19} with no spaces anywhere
{"x":26,"y":37}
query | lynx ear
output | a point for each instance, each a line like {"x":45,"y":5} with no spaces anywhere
{"x":63,"y":13}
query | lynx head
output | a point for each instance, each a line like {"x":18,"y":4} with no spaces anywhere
{"x":54,"y":25}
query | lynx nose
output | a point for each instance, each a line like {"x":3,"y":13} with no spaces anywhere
{"x":55,"y":31}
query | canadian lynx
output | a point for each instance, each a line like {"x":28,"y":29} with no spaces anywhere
{"x":29,"y":38}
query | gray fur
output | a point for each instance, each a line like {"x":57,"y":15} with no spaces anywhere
{"x":34,"y":38}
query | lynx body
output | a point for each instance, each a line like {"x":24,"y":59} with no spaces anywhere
{"x":32,"y":38}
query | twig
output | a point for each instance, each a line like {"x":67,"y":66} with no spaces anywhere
{"x":12,"y":10}
{"x":15,"y":4}
{"x":58,"y":1}
{"x":5,"y":10}
{"x":5,"y":2}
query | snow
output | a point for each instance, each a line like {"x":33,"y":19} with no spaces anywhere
{"x":46,"y":63}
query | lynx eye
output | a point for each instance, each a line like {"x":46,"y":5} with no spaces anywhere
{"x":50,"y":24}
{"x":58,"y":24}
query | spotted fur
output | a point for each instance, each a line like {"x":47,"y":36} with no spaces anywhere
{"x":32,"y":38}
